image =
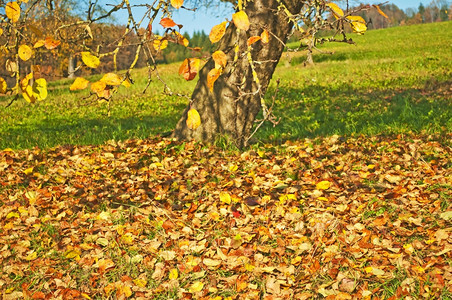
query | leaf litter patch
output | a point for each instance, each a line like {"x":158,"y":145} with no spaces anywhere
{"x":336,"y":217}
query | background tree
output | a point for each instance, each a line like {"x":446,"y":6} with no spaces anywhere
{"x":233,"y":81}
{"x":421,"y":11}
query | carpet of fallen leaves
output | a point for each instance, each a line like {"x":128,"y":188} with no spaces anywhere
{"x":335,"y":218}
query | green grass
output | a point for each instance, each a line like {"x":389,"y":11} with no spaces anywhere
{"x":393,"y":81}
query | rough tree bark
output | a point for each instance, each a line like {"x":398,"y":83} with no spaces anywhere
{"x":231,"y":109}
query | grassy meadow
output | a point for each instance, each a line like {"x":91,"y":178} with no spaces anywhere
{"x":395,"y":80}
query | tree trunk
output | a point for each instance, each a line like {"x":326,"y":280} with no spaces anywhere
{"x":231,"y":109}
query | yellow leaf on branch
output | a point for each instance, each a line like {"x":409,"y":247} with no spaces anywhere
{"x":111,"y":79}
{"x":241,"y":20}
{"x":177,"y":3}
{"x":265,"y":36}
{"x":90,"y":60}
{"x":358,"y":24}
{"x":337,"y":11}
{"x":11,"y":67}
{"x":39,"y":44}
{"x":12,"y":11}
{"x":40,"y":89}
{"x":3,"y":86}
{"x":25,"y":52}
{"x":181,"y":40}
{"x":217,"y":32}
{"x":27,"y":93}
{"x":35,"y":92}
{"x":80,"y":83}
{"x":159,"y":43}
{"x":220,"y":59}
{"x":193,"y":119}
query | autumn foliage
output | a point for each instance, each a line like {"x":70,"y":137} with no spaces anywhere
{"x":338,"y":218}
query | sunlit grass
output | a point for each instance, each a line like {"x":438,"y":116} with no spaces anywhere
{"x":392,"y":81}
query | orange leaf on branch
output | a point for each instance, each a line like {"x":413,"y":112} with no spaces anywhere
{"x":217,"y":32}
{"x":50,"y":43}
{"x":380,"y":11}
{"x":149,"y":28}
{"x":167,"y":22}
{"x":241,"y":20}
{"x":189,"y":68}
{"x":181,"y":40}
{"x":212,"y":76}
{"x":253,"y":39}
{"x":100,"y":88}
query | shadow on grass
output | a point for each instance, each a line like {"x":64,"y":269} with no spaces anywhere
{"x":312,"y":111}
{"x":323,"y":111}
{"x":318,"y":58}
{"x":85,"y":131}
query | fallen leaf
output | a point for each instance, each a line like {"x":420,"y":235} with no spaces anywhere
{"x":196,"y":287}
{"x":173,"y":274}
{"x":323,"y":185}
